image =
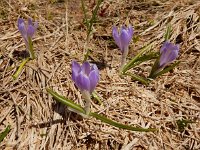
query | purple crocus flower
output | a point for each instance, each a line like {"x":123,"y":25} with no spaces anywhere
{"x":27,"y":31}
{"x":169,"y":52}
{"x":123,"y":37}
{"x":85,"y":77}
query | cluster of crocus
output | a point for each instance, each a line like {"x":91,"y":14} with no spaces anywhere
{"x":27,"y":31}
{"x":85,"y":78}
{"x":123,"y":39}
{"x":168,"y":52}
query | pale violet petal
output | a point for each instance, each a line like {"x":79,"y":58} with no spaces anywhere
{"x":169,"y":52}
{"x":30,"y":31}
{"x":125,"y":39}
{"x":76,"y":68}
{"x":86,"y":68}
{"x":116,"y":37}
{"x":83,"y":82}
{"x":94,"y":79}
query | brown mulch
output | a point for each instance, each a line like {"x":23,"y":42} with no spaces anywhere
{"x":39,"y":122}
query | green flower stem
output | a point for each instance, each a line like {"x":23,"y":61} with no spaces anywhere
{"x":78,"y":108}
{"x":30,"y":48}
{"x":19,"y":70}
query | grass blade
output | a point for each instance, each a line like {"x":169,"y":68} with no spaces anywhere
{"x":4,"y":133}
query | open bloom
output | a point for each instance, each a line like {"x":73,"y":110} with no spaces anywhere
{"x":85,"y":77}
{"x":123,"y":37}
{"x":169,"y":52}
{"x":27,"y":31}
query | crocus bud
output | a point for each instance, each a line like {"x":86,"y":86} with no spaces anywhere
{"x":169,"y":52}
{"x":85,"y":78}
{"x":27,"y":31}
{"x":122,"y":39}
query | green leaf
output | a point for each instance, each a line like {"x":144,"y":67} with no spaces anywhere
{"x":168,"y":33}
{"x":88,"y":52}
{"x":78,"y":108}
{"x":85,"y":13}
{"x":131,"y":63}
{"x":144,"y":58}
{"x":154,"y":68}
{"x":152,"y":55}
{"x":165,"y":70}
{"x":4,"y":133}
{"x":138,"y":78}
{"x":65,"y":101}
{"x":20,"y":68}
{"x":119,"y":125}
{"x":182,"y":124}
{"x":89,"y":23}
{"x":96,"y":97}
{"x":93,"y":19}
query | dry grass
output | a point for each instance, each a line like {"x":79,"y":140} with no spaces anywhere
{"x":39,"y":122}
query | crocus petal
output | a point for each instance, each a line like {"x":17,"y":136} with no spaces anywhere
{"x":21,"y":27}
{"x":94,"y":79}
{"x":169,"y":52}
{"x":30,"y":22}
{"x":30,"y":31}
{"x":94,"y":67}
{"x":116,"y":36}
{"x":86,"y":68}
{"x":125,"y":39}
{"x":130,"y":31}
{"x":165,"y":45}
{"x":82,"y":82}
{"x":20,"y":21}
{"x":75,"y":70}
